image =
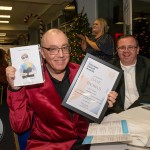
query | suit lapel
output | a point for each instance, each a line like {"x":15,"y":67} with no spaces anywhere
{"x":121,"y":86}
{"x":139,"y":74}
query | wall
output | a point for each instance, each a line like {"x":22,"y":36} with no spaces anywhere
{"x":90,"y":7}
{"x":33,"y":36}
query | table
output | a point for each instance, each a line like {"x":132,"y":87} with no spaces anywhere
{"x":117,"y":146}
{"x":139,"y":128}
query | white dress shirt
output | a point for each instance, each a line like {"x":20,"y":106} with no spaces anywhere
{"x":131,"y":93}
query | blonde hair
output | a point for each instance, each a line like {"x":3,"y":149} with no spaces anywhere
{"x":103,"y":24}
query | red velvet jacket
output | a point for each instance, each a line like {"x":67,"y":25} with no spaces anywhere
{"x":39,"y":107}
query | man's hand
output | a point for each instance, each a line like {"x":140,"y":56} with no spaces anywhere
{"x":10,"y":74}
{"x":112,"y":98}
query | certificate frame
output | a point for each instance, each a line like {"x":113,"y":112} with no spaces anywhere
{"x":88,"y":92}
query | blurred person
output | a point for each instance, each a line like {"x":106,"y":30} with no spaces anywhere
{"x":3,"y":80}
{"x":39,"y":106}
{"x":7,"y":57}
{"x":134,"y":87}
{"x":100,"y":44}
{"x":3,"y":65}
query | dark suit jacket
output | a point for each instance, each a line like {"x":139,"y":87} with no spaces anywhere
{"x":142,"y":78}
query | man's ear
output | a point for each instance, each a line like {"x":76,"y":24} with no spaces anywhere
{"x":138,"y":49}
{"x":42,"y":53}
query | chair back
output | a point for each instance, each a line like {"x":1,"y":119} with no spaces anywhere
{"x":1,"y":94}
{"x":1,"y":130}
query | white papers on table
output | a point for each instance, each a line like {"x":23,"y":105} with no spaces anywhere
{"x":115,"y":131}
{"x":138,"y":119}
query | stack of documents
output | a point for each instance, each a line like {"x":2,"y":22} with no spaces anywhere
{"x":115,"y":131}
{"x":138,"y":123}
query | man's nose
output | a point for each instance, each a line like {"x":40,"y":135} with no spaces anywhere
{"x":60,"y":52}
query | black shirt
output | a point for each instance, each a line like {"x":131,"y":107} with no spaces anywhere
{"x":62,"y":86}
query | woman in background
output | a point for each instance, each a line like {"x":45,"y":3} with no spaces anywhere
{"x":100,"y":44}
{"x":3,"y":65}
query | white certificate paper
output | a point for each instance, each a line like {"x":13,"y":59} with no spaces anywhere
{"x":27,"y":61}
{"x":91,"y":87}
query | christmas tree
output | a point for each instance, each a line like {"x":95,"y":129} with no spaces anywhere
{"x":80,"y":25}
{"x":142,"y":34}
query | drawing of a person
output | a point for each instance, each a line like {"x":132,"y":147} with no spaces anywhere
{"x":27,"y":68}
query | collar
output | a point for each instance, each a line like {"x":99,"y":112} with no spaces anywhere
{"x":65,"y":76}
{"x":127,"y":67}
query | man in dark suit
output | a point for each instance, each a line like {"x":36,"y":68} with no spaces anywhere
{"x":134,"y":87}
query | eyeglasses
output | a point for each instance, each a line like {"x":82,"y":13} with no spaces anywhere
{"x":25,"y":56}
{"x":129,"y":48}
{"x":55,"y":50}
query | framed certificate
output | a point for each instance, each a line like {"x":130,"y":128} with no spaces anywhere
{"x":89,"y":90}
